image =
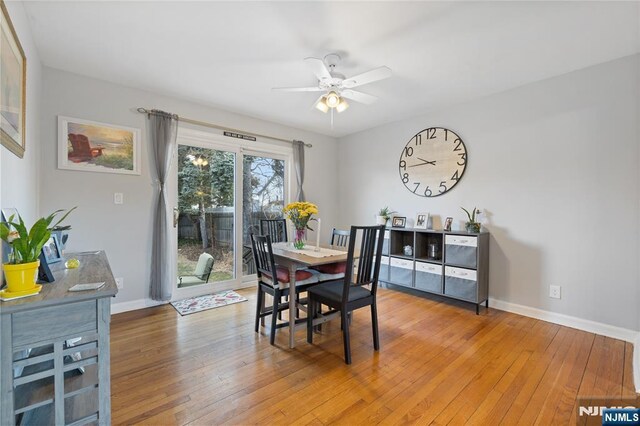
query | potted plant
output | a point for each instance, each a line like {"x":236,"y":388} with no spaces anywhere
{"x":21,"y":270}
{"x":472,"y":225}
{"x":384,"y":215}
{"x":299,"y":213}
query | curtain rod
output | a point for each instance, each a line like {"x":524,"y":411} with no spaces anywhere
{"x":229,"y":129}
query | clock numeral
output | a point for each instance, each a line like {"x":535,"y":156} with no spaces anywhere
{"x":442,"y":185}
{"x":417,"y":184}
{"x":463,"y":158}
{"x":418,"y":139}
{"x":446,"y":135}
{"x":431,"y":133}
{"x":405,"y":178}
{"x":455,"y":176}
{"x":403,"y":165}
{"x":457,"y":148}
{"x":427,"y":192}
{"x":408,"y":151}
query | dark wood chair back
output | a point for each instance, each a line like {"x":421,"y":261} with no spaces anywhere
{"x":263,"y":258}
{"x":275,"y":228}
{"x":368,"y":270}
{"x":340,"y":237}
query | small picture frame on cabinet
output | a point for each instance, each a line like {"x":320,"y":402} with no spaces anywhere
{"x":447,"y":224}
{"x":422,"y":220}
{"x":398,"y":222}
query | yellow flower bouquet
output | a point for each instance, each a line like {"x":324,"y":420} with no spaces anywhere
{"x":300,"y":213}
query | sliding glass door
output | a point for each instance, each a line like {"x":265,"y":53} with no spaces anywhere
{"x":206,"y":214}
{"x":222,"y":191}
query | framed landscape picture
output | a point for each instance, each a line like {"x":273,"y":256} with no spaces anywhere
{"x":13,"y":75}
{"x":90,"y":146}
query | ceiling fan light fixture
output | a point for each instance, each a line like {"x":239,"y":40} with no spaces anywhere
{"x":332,"y":99}
{"x":322,"y":104}
{"x":343,"y":105}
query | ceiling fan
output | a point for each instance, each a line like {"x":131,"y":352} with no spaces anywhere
{"x":336,"y":87}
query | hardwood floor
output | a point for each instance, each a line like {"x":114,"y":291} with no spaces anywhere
{"x":439,"y":363}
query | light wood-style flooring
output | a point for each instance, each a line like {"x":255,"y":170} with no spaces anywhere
{"x":439,"y":363}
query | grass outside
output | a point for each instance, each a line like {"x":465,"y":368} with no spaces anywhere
{"x":190,"y":250}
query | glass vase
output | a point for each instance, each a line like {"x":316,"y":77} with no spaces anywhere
{"x":298,"y":241}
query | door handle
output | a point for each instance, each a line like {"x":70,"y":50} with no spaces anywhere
{"x":176,"y":215}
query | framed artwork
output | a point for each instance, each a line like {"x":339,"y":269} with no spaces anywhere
{"x":90,"y":146}
{"x":13,"y":77}
{"x":398,"y":222}
{"x":51,"y":250}
{"x":447,"y":224}
{"x":422,"y":220}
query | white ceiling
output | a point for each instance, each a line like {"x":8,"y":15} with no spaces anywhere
{"x":230,"y":54}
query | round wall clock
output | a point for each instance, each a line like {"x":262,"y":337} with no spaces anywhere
{"x":432,"y":162}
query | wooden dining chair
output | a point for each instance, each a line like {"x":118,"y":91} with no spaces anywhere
{"x":274,"y":280}
{"x":348,"y":294}
{"x":340,"y":238}
{"x":275,"y":228}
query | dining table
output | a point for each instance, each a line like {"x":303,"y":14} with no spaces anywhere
{"x":285,"y":254}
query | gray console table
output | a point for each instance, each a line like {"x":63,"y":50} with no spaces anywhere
{"x":459,"y":269}
{"x":35,"y":334}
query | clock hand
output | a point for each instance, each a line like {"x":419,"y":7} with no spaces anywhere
{"x":433,"y":163}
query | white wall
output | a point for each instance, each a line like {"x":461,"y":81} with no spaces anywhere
{"x":19,"y":184}
{"x":555,"y":167}
{"x":124,"y":231}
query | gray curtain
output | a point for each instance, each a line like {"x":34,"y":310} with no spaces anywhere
{"x":298,"y":165}
{"x":164,"y":130}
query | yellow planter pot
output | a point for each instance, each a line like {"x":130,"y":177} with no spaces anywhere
{"x":22,"y":276}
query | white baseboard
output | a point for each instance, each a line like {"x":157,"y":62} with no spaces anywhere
{"x":132,"y":305}
{"x":612,"y":331}
{"x":636,"y":363}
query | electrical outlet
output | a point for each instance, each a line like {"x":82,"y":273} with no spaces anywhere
{"x":118,"y":198}
{"x":120,"y":282}
{"x":554,"y":291}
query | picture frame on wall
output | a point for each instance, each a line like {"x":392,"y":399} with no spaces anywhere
{"x":92,"y":146}
{"x":13,"y":87}
{"x":422,"y":220}
{"x":398,"y":222}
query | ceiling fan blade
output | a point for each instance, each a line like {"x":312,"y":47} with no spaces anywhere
{"x":297,"y":89}
{"x":379,"y":73}
{"x":319,"y":68}
{"x":354,"y":95}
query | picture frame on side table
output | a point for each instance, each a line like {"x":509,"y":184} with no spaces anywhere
{"x":447,"y":224}
{"x":91,"y":146}
{"x":422,"y":220}
{"x":398,"y":222}
{"x":51,"y":250}
{"x":13,"y":87}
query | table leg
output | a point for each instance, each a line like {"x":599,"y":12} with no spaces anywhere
{"x":292,"y":305}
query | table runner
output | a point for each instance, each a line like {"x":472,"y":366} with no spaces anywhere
{"x":308,"y":250}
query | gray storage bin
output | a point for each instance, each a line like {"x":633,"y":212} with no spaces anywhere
{"x":401,"y":272}
{"x":428,"y":277}
{"x":385,"y":244}
{"x":384,"y":269}
{"x":461,"y":250}
{"x":461,"y":283}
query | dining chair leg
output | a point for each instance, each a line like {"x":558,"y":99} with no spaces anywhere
{"x":263,"y":307}
{"x":274,"y":316}
{"x":258,"y":307}
{"x":374,"y":324}
{"x":345,"y":336}
{"x":310,"y":316}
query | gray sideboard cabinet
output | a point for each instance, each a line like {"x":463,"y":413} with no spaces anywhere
{"x":41,"y":355}
{"x":453,"y":264}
